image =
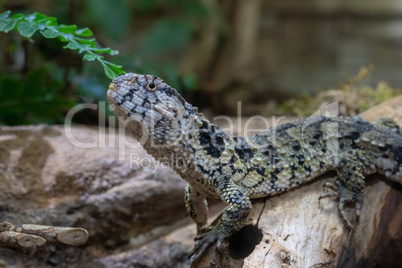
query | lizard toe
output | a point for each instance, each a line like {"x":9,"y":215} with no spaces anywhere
{"x":206,"y":240}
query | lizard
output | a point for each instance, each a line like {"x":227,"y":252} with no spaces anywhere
{"x":237,"y":169}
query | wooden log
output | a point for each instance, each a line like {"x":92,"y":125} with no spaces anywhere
{"x":21,"y":240}
{"x":52,"y":234}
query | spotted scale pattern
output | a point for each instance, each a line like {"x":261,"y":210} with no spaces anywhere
{"x":236,"y":169}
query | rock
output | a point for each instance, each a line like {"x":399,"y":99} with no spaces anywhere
{"x":157,"y":253}
{"x":120,"y":196}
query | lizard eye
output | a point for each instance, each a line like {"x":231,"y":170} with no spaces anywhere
{"x":152,"y":86}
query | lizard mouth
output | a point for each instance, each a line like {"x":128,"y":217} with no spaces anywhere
{"x":112,"y":95}
{"x":111,"y":86}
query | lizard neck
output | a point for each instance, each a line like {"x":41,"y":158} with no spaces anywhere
{"x":189,"y":142}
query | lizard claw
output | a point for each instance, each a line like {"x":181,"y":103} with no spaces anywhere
{"x":333,"y":190}
{"x":206,"y":240}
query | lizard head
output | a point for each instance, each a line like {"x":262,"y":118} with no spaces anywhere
{"x":147,"y":106}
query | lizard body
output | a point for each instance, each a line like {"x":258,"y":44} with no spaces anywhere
{"x":236,"y":169}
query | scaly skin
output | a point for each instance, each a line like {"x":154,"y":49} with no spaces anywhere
{"x":236,"y":169}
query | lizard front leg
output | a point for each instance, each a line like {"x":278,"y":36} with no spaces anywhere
{"x":197,"y":207}
{"x":232,"y":220}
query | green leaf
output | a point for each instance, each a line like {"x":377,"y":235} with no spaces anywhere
{"x":90,"y":41}
{"x":30,"y":17}
{"x":91,"y":56}
{"x":18,"y":17}
{"x":27,"y":25}
{"x":73,"y":45}
{"x":64,"y":37}
{"x":5,"y":14}
{"x":112,"y":70}
{"x":108,"y":71}
{"x":101,"y":50}
{"x":116,"y":68}
{"x":7,"y":25}
{"x":51,"y":21}
{"x":66,"y":28}
{"x":27,"y":28}
{"x":84,"y":32}
{"x":40,"y":17}
{"x":50,"y":33}
{"x":106,"y":50}
{"x":114,"y":52}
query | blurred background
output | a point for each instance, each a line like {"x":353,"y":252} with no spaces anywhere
{"x":275,"y":56}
